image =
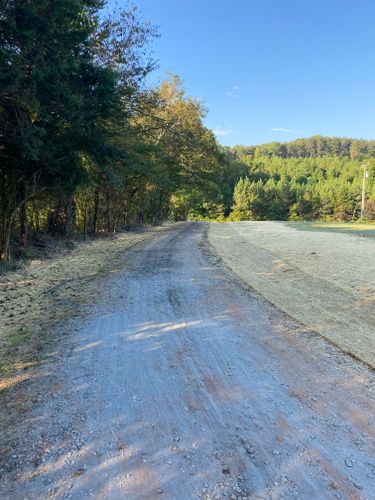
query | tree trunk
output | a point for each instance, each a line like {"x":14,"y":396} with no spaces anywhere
{"x":57,"y":219}
{"x":8,"y":231}
{"x":85,"y":222}
{"x":4,"y":202}
{"x":70,"y":217}
{"x":161,"y":208}
{"x":109,"y":212}
{"x":8,"y":223}
{"x":23,"y":221}
{"x":96,"y":211}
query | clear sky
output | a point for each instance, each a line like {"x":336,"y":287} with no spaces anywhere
{"x":272,"y":69}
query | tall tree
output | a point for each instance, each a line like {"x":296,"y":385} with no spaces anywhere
{"x":67,"y":77}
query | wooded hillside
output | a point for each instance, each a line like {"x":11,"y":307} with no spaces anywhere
{"x":313,"y":147}
{"x":315,"y":178}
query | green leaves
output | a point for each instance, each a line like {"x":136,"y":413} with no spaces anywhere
{"x":300,"y":188}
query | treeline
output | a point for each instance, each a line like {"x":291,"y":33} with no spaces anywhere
{"x":327,"y":188}
{"x":310,"y":182}
{"x":85,"y":146}
{"x":313,"y":147}
{"x":305,"y":179}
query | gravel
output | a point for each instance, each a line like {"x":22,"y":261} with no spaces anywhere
{"x":323,"y":279}
{"x":188,"y":356}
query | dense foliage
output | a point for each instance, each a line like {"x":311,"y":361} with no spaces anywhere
{"x":316,"y":178}
{"x":313,"y":147}
{"x":86,"y":147}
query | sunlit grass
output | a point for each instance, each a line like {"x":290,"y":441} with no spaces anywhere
{"x":355,"y":226}
{"x":359,"y":228}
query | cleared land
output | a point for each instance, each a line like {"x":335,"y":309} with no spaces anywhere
{"x":181,"y":384}
{"x":323,"y":275}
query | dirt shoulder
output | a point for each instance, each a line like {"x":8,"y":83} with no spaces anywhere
{"x":324,"y":279}
{"x":42,"y":302}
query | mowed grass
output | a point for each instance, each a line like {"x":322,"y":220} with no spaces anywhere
{"x":366,"y":229}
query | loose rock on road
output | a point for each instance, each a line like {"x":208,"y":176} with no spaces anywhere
{"x":186,"y":385}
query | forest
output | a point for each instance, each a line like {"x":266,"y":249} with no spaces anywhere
{"x":87,"y":147}
{"x":308,"y":179}
{"x":319,"y":178}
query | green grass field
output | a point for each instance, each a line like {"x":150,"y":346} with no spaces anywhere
{"x":366,"y":229}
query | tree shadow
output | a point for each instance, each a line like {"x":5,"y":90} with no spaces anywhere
{"x":158,"y":409}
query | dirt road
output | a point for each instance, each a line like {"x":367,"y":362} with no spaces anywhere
{"x":184,"y":385}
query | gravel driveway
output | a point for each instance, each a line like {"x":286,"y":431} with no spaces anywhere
{"x":185,"y":385}
{"x":324,"y":279}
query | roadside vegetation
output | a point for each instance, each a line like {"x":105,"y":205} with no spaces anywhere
{"x":366,"y":229}
{"x":85,"y":145}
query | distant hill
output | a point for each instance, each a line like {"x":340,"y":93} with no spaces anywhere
{"x":312,"y":147}
{"x":315,"y":178}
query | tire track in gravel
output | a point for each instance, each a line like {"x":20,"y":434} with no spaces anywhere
{"x":185,"y":385}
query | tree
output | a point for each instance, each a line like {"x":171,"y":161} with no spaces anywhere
{"x":67,"y":79}
{"x":50,"y":88}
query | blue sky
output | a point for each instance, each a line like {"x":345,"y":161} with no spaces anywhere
{"x":272,"y":69}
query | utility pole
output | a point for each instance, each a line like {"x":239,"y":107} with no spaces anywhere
{"x":363,"y":200}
